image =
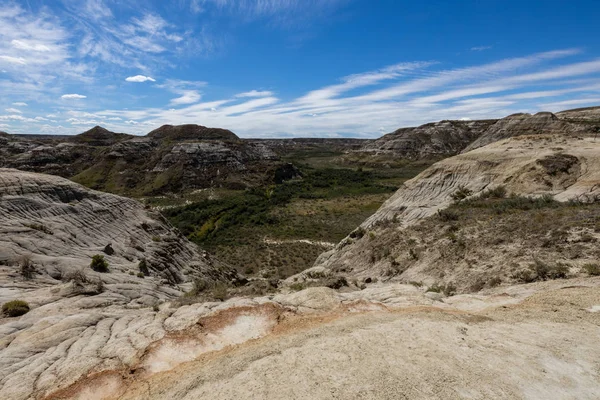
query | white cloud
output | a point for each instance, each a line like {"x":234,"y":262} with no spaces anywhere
{"x":13,"y":60}
{"x":187,"y":97}
{"x":19,"y":104}
{"x":480,"y":48}
{"x":255,"y":93}
{"x":13,"y":111}
{"x":28,"y":45}
{"x":73,"y":96}
{"x":139,"y":78}
{"x":405,"y":94}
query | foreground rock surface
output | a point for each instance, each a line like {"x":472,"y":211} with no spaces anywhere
{"x":384,"y":342}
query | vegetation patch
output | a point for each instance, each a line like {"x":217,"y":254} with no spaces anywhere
{"x":15,"y":308}
{"x":278,"y":230}
{"x":99,"y":264}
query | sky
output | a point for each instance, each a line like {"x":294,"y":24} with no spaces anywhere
{"x":291,"y":68}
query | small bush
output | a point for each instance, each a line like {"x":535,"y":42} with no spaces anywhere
{"x":15,"y":308}
{"x":448,"y":290}
{"x":200,"y":285}
{"x":78,"y":277}
{"x":99,"y":286}
{"x":447,"y":215}
{"x":495,"y":193}
{"x":26,"y":267}
{"x":156,"y":239}
{"x":143,"y":267}
{"x":99,"y":264}
{"x":495,"y":281}
{"x":592,"y":269}
{"x":357,"y":233}
{"x":541,"y":271}
{"x":559,"y":271}
{"x":140,"y":275}
{"x":219,"y":292}
{"x":41,"y":228}
{"x":461,"y":194}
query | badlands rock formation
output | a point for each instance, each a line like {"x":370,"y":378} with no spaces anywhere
{"x":438,"y":139}
{"x":170,"y":158}
{"x":408,"y":240}
{"x":81,"y":320}
{"x":59,"y":225}
{"x":447,"y":138}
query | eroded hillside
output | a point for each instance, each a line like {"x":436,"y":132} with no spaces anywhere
{"x":466,"y":221}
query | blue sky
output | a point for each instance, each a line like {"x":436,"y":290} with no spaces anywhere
{"x":280,"y":68}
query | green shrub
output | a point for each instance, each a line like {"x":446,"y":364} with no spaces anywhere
{"x":99,"y":264}
{"x":448,"y":289}
{"x":15,"y":308}
{"x":219,"y":292}
{"x":26,"y":267}
{"x":200,"y":285}
{"x":447,"y":215}
{"x":140,"y":275}
{"x":358,"y":233}
{"x":461,"y":194}
{"x":592,"y":269}
{"x":541,"y":271}
{"x":495,"y":281}
{"x":498,"y":192}
{"x":143,"y":267}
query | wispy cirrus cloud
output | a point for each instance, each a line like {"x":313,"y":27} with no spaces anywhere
{"x":413,"y":93}
{"x":481,"y":48}
{"x":283,"y":11}
{"x":255,"y":93}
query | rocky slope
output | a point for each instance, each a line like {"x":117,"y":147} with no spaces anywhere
{"x":439,"y":139}
{"x":526,"y":124}
{"x":411,"y":238}
{"x":59,"y":225}
{"x":170,"y":158}
{"x":447,"y":138}
{"x":82,"y":320}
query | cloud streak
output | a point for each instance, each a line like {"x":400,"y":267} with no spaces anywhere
{"x":139,"y":78}
{"x":413,"y":93}
{"x":73,"y":96}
